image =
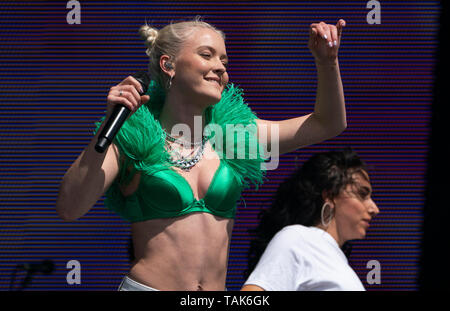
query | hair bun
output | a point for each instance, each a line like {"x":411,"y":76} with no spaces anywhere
{"x":149,"y":35}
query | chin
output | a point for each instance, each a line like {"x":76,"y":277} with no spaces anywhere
{"x":213,"y":98}
{"x":357,"y":235}
{"x":214,"y":92}
{"x":362,"y":234}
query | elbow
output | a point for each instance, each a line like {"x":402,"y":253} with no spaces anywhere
{"x":336,"y":129}
{"x":63,"y":211}
{"x":66,"y":217}
{"x":331,"y":128}
{"x":64,"y":206}
{"x":342,"y":127}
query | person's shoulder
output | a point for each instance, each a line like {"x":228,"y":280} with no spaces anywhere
{"x":291,"y":242}
{"x":294,"y":230}
{"x":289,"y":235}
{"x":296,"y":235}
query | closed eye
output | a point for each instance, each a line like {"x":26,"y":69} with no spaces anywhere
{"x":364,"y":193}
{"x":208,"y":56}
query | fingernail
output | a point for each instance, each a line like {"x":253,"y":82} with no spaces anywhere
{"x":325,"y":37}
{"x":335,"y":43}
{"x":330,"y":44}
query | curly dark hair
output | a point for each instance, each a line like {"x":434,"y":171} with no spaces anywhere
{"x":299,"y":198}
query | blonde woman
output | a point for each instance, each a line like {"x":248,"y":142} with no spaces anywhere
{"x":178,"y":191}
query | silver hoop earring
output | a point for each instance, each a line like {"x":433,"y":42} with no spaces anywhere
{"x":322,"y":218}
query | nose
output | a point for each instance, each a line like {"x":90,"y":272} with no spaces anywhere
{"x":221,"y":71}
{"x":373,"y":208}
{"x":219,"y":68}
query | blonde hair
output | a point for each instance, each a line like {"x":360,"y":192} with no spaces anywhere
{"x":168,"y":41}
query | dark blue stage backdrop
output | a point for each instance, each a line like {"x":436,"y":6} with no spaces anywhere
{"x":55,"y":77}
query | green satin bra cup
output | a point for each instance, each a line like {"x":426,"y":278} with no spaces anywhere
{"x":168,"y":194}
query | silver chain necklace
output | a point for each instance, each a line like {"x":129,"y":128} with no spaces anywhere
{"x":185,"y":162}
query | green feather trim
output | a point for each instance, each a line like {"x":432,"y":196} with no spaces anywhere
{"x":240,"y":146}
{"x":141,"y":142}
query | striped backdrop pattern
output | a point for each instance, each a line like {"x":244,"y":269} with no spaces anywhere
{"x":53,"y":86}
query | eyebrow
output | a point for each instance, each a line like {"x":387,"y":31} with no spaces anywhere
{"x":224,"y":56}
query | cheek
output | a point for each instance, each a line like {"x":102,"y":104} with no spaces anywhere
{"x":201,"y":65}
{"x":351,"y":212}
{"x":191,"y":66}
{"x":226,"y":78}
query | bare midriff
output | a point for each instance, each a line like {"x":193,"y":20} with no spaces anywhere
{"x":183,"y":253}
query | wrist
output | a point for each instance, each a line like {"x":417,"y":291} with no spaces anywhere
{"x":327,"y":63}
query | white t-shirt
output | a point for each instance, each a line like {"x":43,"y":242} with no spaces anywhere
{"x":300,"y":258}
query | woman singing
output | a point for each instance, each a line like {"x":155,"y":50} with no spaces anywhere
{"x":179,"y":191}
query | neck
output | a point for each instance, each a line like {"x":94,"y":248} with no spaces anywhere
{"x":178,"y":115}
{"x":332,"y":230}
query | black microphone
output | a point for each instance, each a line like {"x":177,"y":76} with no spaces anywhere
{"x":45,"y":267}
{"x":118,"y":116}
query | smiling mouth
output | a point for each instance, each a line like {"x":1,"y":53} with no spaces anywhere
{"x":214,"y":81}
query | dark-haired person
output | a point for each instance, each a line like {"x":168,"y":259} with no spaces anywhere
{"x":178,"y":191}
{"x":298,"y":242}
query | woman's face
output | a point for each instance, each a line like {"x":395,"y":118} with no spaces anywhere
{"x":354,"y":208}
{"x":200,"y":67}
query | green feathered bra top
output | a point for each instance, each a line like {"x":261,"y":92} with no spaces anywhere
{"x":162,"y":192}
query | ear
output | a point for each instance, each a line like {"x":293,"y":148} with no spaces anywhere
{"x":327,"y":198}
{"x":167,"y":65}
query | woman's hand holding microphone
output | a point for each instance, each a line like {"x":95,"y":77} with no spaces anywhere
{"x":127,"y":93}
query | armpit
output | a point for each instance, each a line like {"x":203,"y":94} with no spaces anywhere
{"x":132,"y":186}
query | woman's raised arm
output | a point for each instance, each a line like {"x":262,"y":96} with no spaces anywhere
{"x":329,"y":117}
